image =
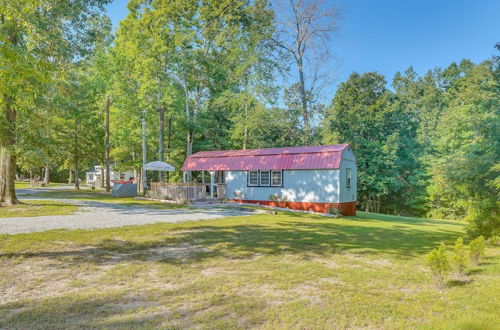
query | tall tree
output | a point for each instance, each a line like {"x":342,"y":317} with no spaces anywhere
{"x":362,"y":115}
{"x":32,"y":35}
{"x":467,"y":148}
{"x":305,"y":28}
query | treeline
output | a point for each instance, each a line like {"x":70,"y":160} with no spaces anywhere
{"x":426,"y":145}
{"x":203,"y":75}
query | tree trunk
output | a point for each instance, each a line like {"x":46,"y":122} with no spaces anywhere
{"x":136,"y":177}
{"x":8,"y":157}
{"x":108,"y":183}
{"x":70,"y":178}
{"x":303,"y":100}
{"x":8,"y":137}
{"x":245,"y":135}
{"x":101,"y":179}
{"x":77,"y":181}
{"x":161,"y":140}
{"x":47,"y":174}
{"x":189,"y":148}
{"x":2,"y":186}
{"x":169,"y":141}
{"x":7,"y":177}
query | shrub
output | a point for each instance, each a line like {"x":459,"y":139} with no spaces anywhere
{"x":336,"y":211}
{"x":483,"y":219}
{"x":476,"y":249}
{"x":273,"y":198}
{"x":438,"y":262}
{"x":459,"y":257}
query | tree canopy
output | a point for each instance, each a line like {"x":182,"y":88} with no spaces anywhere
{"x":208,"y":75}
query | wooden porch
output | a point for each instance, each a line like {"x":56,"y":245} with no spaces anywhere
{"x":187,"y":192}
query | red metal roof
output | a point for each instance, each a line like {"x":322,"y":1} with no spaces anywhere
{"x":290,"y":158}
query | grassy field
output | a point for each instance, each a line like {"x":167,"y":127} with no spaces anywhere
{"x":35,"y":208}
{"x":24,"y":185}
{"x":262,"y":271}
{"x":102,"y":196}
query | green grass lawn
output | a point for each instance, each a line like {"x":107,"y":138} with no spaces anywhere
{"x":35,"y":208}
{"x":104,"y":197}
{"x":262,"y":271}
{"x":24,"y":185}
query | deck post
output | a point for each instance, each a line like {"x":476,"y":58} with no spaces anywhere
{"x":184,"y":176}
{"x":202,"y":176}
{"x":212,"y":177}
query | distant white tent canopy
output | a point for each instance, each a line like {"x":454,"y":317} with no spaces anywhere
{"x":159,"y":166}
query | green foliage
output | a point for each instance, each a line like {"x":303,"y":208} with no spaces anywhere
{"x":459,"y":258}
{"x":437,"y":261}
{"x":476,"y":250}
{"x":361,"y":114}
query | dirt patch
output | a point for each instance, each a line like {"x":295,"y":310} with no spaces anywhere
{"x":213,"y":271}
{"x":308,"y":291}
{"x":182,"y":251}
{"x":271,"y":295}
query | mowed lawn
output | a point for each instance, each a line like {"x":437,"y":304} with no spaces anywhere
{"x":262,"y":271}
{"x":38,"y":207}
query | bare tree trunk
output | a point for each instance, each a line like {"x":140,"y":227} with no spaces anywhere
{"x":101,"y":179}
{"x":303,"y":100}
{"x":108,"y":183}
{"x":70,"y":178}
{"x":189,"y":148}
{"x":77,"y":181}
{"x":161,"y":138}
{"x":46,"y":176}
{"x":2,"y":185}
{"x":136,"y":172}
{"x":245,"y":133}
{"x":169,"y":141}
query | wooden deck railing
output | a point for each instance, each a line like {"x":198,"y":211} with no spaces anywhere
{"x":183,"y":193}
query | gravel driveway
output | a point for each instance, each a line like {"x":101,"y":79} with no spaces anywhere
{"x":94,"y":214}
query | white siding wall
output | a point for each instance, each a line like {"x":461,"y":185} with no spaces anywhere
{"x":319,"y":186}
{"x":348,"y":161}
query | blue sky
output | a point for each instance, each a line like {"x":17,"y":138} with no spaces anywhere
{"x":390,"y":35}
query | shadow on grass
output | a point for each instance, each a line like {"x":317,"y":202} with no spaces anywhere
{"x":458,"y":282}
{"x":301,"y":236}
{"x":129,"y":310}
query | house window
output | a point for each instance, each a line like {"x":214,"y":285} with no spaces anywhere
{"x":122,"y":176}
{"x":276,"y":178}
{"x":253,"y":178}
{"x":348,"y":177}
{"x":264,"y":178}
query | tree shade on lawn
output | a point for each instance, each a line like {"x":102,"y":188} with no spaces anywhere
{"x":265,"y":271}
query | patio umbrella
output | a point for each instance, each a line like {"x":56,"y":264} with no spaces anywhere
{"x":159,"y":166}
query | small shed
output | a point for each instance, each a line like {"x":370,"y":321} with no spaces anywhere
{"x":314,"y":178}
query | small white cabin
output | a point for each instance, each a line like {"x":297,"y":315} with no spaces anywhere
{"x":313,"y":178}
{"x":93,"y":176}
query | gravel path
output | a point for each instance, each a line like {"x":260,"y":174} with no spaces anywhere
{"x":94,"y":214}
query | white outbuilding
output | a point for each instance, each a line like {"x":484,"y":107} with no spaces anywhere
{"x":315,"y":178}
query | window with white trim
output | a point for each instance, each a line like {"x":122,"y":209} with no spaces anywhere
{"x":253,"y":178}
{"x":264,"y":178}
{"x":348,"y":177}
{"x":276,"y":178}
